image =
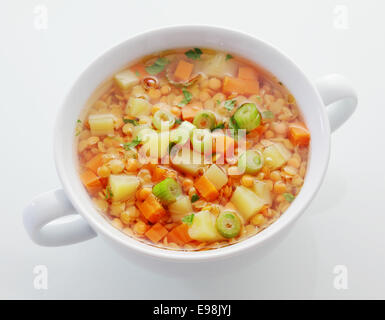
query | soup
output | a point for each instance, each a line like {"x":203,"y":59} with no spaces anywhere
{"x":192,"y":149}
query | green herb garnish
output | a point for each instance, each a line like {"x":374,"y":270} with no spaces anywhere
{"x":259,"y":98}
{"x":187,"y":98}
{"x":137,"y":73}
{"x":230,"y":104}
{"x":188,"y":219}
{"x":79,"y":121}
{"x":194,"y":54}
{"x":158,"y":66}
{"x":229,"y":56}
{"x":127,"y":146}
{"x":218,"y":102}
{"x":178,"y":121}
{"x":108,"y":193}
{"x":267,"y":114}
{"x":170,"y":146}
{"x":194,"y":198}
{"x":288,"y":196}
{"x":132,"y":121}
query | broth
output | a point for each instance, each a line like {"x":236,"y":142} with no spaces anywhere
{"x":192,"y":149}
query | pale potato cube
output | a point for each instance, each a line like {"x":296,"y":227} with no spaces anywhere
{"x":203,"y":227}
{"x":246,"y":202}
{"x":138,"y":107}
{"x":217,"y":176}
{"x":261,"y":189}
{"x":276,"y":155}
{"x":218,"y":66}
{"x":123,"y":186}
{"x":126,"y":79}
{"x":180,"y":208}
{"x":188,"y":161}
{"x":101,"y":124}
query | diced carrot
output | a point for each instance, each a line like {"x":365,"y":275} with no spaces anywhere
{"x":257,"y":131}
{"x":159,"y":174}
{"x":179,"y":235}
{"x":183,"y":70}
{"x":94,"y":163}
{"x":240,"y":86}
{"x":247,"y":73}
{"x":150,"y":167}
{"x":151,"y":209}
{"x":299,"y":135}
{"x":189,"y":112}
{"x":156,"y":232}
{"x":140,"y":70}
{"x":206,"y":188}
{"x":91,"y":181}
{"x":224,"y":144}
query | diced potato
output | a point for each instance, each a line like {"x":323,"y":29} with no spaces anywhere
{"x":246,"y":202}
{"x":188,"y":161}
{"x":101,"y":124}
{"x":203,"y":227}
{"x":180,"y":208}
{"x":276,"y":155}
{"x":218,"y":66}
{"x":123,"y":186}
{"x":261,"y":189}
{"x":137,"y":107}
{"x":126,"y":79}
{"x":217,"y":176}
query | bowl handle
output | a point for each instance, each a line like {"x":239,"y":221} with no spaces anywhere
{"x":40,"y":215}
{"x":339,"y":96}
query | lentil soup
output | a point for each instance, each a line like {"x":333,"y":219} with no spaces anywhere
{"x":192,"y":149}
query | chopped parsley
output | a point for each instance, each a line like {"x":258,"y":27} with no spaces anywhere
{"x":218,"y":102}
{"x":194,"y":197}
{"x":158,"y":66}
{"x":288,"y":197}
{"x":178,"y":121}
{"x":170,"y":146}
{"x":79,"y":121}
{"x":187,"y":98}
{"x":137,"y":73}
{"x":108,"y":193}
{"x":194,"y":54}
{"x":132,"y":121}
{"x":230,"y":104}
{"x":229,"y":56}
{"x":127,"y":146}
{"x":188,"y":219}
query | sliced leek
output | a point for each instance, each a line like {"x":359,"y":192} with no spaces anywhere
{"x":205,"y":120}
{"x":247,"y":116}
{"x":167,"y":191}
{"x":250,"y":162}
{"x":202,"y":141}
{"x":163,"y":120}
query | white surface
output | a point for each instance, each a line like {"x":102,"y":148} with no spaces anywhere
{"x":343,"y":226}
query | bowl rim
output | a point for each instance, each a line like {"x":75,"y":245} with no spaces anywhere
{"x":294,"y":212}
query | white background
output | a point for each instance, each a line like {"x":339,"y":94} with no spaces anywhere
{"x":343,"y":226}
